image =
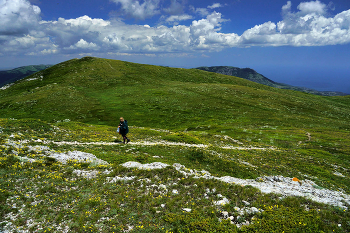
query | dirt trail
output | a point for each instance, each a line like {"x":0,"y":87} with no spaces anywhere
{"x":110,"y":65}
{"x":155,"y":143}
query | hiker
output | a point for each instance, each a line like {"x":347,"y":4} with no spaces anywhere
{"x":123,"y":129}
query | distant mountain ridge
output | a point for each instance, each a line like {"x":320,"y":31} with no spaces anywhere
{"x":254,"y":76}
{"x":10,"y":76}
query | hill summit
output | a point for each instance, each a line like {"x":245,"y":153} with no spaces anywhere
{"x":95,"y":90}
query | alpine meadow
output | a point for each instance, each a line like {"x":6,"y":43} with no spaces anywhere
{"x":208,"y":153}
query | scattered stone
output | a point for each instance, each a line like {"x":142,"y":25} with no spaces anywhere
{"x":130,"y":228}
{"x":246,"y":203}
{"x":39,"y":149}
{"x":26,"y":159}
{"x":267,"y":184}
{"x":222,"y":202}
{"x":86,"y":174}
{"x":78,"y":156}
{"x":118,"y":178}
{"x":338,"y":174}
{"x":187,"y":209}
{"x":252,"y":210}
{"x":224,"y":214}
{"x":149,"y":166}
{"x":286,"y":187}
{"x":278,"y":184}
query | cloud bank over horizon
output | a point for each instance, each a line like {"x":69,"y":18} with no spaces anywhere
{"x":180,"y":29}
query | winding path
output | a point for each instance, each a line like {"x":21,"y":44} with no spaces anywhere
{"x":155,"y":143}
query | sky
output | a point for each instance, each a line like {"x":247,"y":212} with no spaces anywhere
{"x":301,"y":43}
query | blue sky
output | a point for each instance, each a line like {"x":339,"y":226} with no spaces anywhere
{"x":303,"y":43}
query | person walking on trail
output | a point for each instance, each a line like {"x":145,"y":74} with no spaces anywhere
{"x":123,"y":129}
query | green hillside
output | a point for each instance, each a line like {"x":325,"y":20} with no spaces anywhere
{"x":97,"y":90}
{"x":10,"y":76}
{"x":210,"y":123}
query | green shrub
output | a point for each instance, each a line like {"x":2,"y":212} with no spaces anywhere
{"x":287,"y":219}
{"x":196,"y":155}
{"x":197,"y":222}
{"x":142,"y":158}
{"x":8,"y":161}
{"x":48,"y":161}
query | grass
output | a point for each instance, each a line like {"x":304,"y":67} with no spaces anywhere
{"x":98,"y":91}
{"x":204,"y":121}
{"x":49,"y":196}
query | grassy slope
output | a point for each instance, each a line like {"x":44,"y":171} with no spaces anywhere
{"x":208,"y":106}
{"x":90,"y":89}
{"x":9,"y":76}
{"x":98,"y":91}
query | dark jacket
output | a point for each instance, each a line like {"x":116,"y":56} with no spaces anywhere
{"x":123,"y":129}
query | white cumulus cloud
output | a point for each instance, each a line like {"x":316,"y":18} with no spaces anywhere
{"x":66,"y":32}
{"x":312,"y":7}
{"x":310,"y":25}
{"x":84,"y":45}
{"x":18,"y":17}
{"x":287,"y":8}
{"x":215,"y":5}
{"x":178,"y":18}
{"x":139,"y":10}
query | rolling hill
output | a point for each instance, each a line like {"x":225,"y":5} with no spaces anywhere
{"x":215,"y":153}
{"x":97,"y":90}
{"x":10,"y":76}
{"x":254,"y":76}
